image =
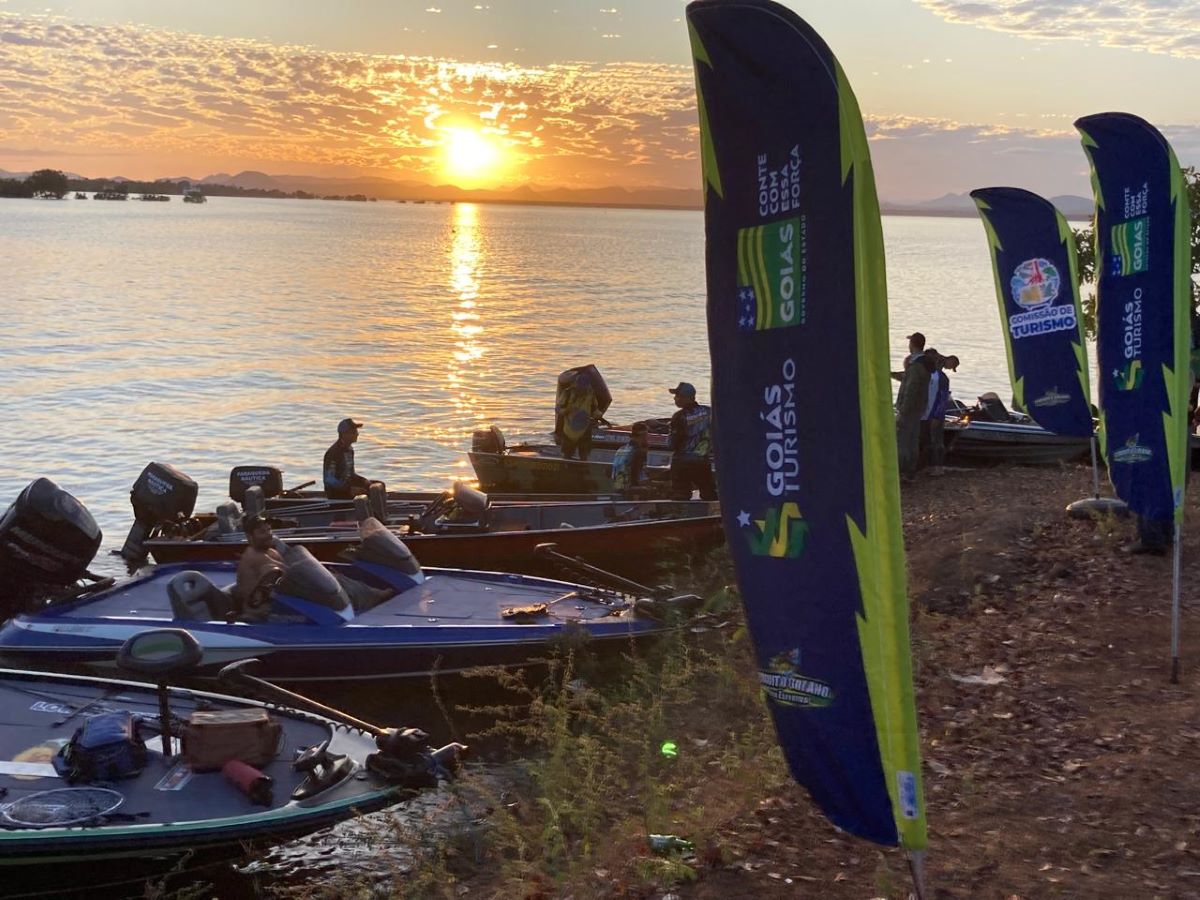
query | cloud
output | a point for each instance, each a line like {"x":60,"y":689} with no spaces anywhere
{"x":156,"y":93}
{"x":170,"y":102}
{"x":1157,"y":26}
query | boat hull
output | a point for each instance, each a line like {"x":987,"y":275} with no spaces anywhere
{"x":202,"y":820}
{"x":451,"y":621}
{"x":634,"y":549}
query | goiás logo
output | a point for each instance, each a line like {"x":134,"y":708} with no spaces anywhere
{"x":782,"y":682}
{"x":1052,"y":397}
{"x":1130,"y":242}
{"x":1128,"y":376}
{"x":773,"y":258}
{"x":772,"y":275}
{"x":1035,"y":285}
{"x":1132,"y":452}
{"x":781,"y":532}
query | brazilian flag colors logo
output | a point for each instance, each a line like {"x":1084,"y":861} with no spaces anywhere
{"x":772,"y":287}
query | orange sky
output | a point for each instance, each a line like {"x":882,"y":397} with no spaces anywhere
{"x":955,"y":93}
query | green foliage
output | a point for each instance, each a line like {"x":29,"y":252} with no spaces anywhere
{"x":48,"y":183}
{"x":11,"y":187}
{"x":1085,"y":246}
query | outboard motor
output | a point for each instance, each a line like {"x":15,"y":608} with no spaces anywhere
{"x":268,"y":478}
{"x":47,"y":537}
{"x":489,"y":441}
{"x":161,"y":495}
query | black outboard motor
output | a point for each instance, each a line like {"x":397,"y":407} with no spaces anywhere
{"x":490,"y":440}
{"x":161,"y":495}
{"x":47,"y":537}
{"x":268,"y":478}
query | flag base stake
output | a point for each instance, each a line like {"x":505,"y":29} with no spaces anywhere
{"x":1095,"y":506}
{"x":916,"y":867}
{"x":1175,"y":572}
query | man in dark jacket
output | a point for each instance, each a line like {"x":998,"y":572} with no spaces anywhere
{"x":911,"y":403}
{"x":341,"y":482}
{"x":691,"y":446}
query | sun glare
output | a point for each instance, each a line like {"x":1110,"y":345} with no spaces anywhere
{"x":471,"y":155}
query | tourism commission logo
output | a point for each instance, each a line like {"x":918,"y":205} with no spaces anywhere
{"x":1035,"y":285}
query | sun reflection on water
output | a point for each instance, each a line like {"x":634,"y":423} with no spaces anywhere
{"x":466,"y":328}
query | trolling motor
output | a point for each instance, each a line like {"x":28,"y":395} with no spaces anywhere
{"x":404,"y":756}
{"x":162,"y":495}
{"x":159,"y":654}
{"x":656,"y":603}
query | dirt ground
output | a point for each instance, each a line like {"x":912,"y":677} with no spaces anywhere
{"x":1075,"y":771}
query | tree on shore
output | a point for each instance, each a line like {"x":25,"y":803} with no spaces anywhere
{"x":48,"y":183}
{"x":1085,"y":246}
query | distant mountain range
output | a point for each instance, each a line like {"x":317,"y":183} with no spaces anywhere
{"x":1072,"y":207}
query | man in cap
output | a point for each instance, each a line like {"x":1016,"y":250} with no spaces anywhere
{"x":691,"y":446}
{"x":341,"y":483}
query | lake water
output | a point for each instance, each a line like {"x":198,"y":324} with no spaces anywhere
{"x":242,"y":330}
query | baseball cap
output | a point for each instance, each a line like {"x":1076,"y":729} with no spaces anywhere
{"x":683,"y":388}
{"x":346,"y":424}
{"x":918,"y":337}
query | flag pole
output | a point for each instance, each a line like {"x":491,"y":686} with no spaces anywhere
{"x":1175,"y":601}
{"x":916,"y":867}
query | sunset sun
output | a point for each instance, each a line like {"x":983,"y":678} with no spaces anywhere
{"x":470,"y":155}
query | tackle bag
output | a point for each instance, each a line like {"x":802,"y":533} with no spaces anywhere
{"x":106,"y":747}
{"x":212,"y":738}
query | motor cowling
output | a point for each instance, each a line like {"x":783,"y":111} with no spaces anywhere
{"x":47,"y":537}
{"x":490,"y":440}
{"x":268,"y":478}
{"x":161,"y":495}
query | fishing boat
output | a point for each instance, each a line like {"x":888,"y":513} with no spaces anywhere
{"x":110,"y":781}
{"x":464,"y":529}
{"x":155,"y":198}
{"x":989,"y":434}
{"x":379,"y":616}
{"x":79,"y":195}
{"x":194,"y":196}
{"x":111,"y":193}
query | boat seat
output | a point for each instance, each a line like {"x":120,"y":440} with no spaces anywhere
{"x":196,"y":599}
{"x":229,"y":518}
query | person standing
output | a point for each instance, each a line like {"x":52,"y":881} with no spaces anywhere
{"x":341,"y":481}
{"x":911,"y":403}
{"x":916,"y":346}
{"x":691,"y":446}
{"x":576,"y":411}
{"x":939,"y":402}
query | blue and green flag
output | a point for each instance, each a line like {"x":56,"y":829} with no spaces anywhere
{"x":1037,"y":287}
{"x":1143,"y":300}
{"x":797,"y":325}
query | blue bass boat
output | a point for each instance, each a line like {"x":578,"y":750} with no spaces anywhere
{"x":379,"y":616}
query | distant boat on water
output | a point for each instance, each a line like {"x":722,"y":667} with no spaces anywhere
{"x":110,"y":193}
{"x":79,"y":195}
{"x":194,"y":197}
{"x":155,"y":198}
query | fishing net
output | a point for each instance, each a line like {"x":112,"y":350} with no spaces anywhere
{"x":62,"y":806}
